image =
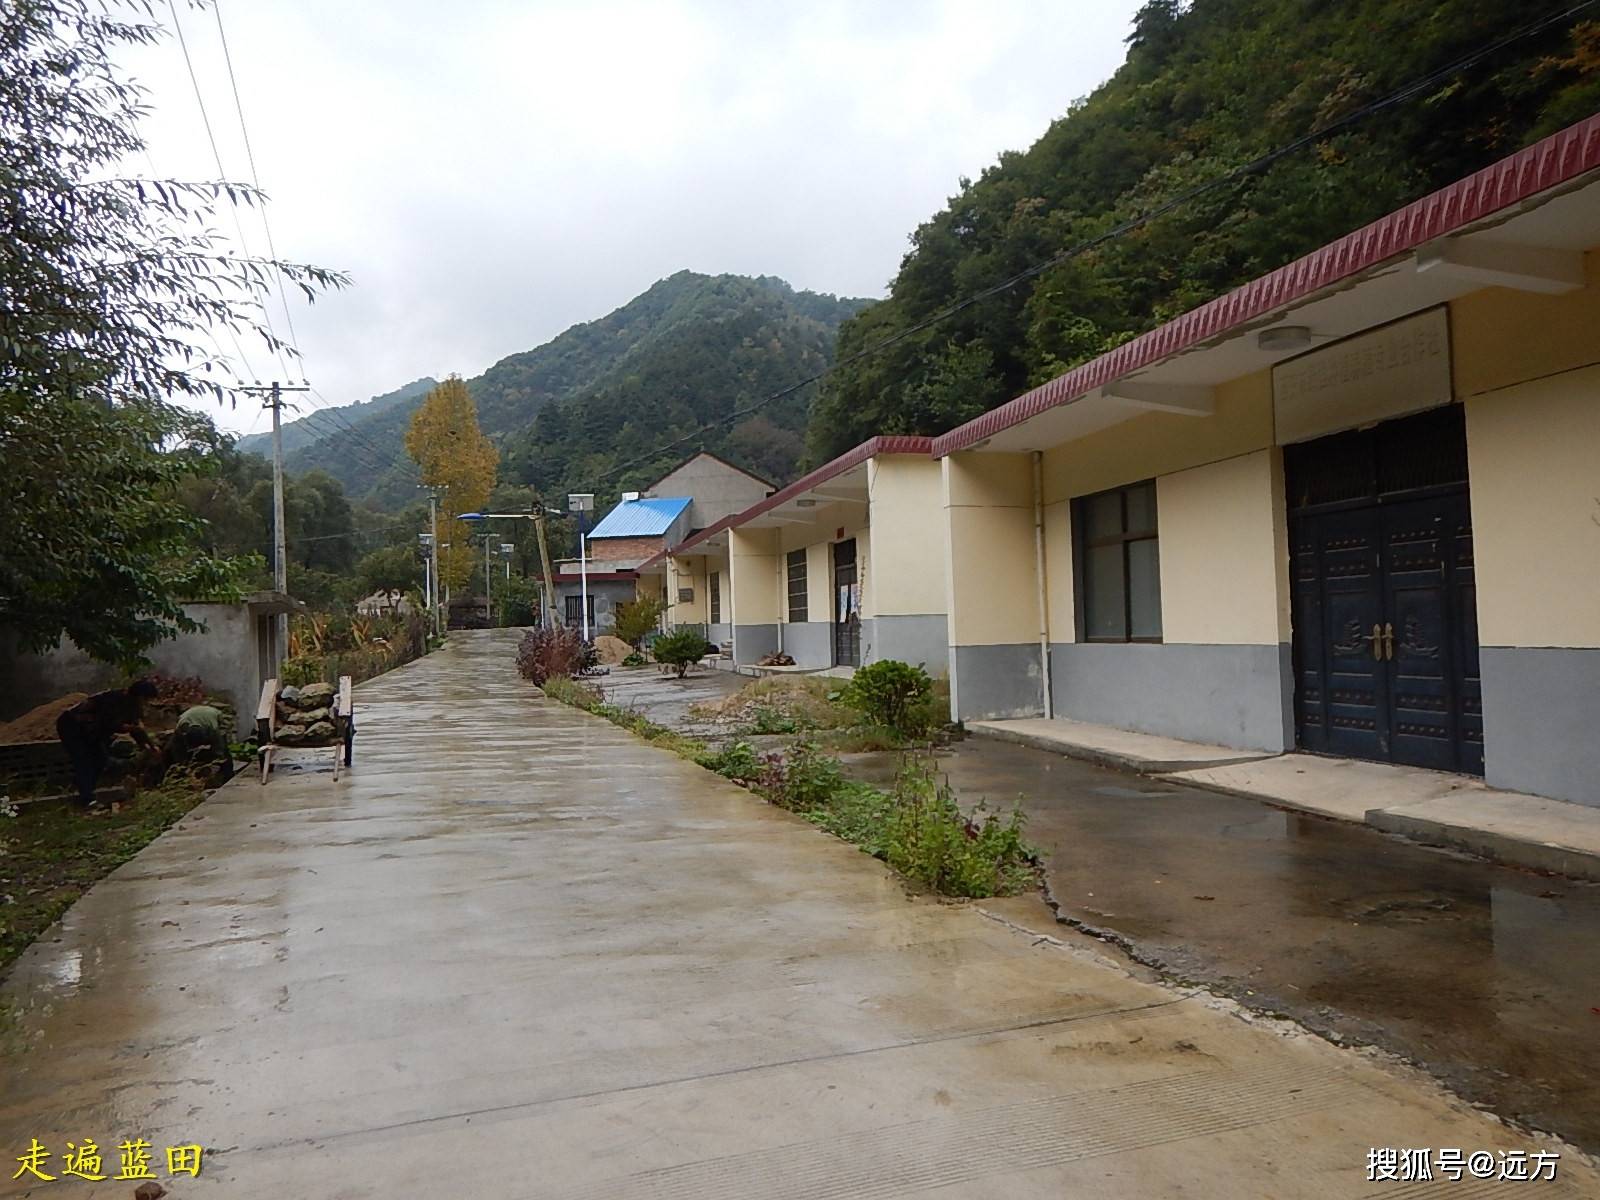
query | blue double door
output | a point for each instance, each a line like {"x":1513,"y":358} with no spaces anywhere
{"x":1384,"y":605}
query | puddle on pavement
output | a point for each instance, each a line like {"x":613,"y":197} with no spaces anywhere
{"x":1487,"y":976}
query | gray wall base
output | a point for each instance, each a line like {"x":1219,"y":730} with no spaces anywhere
{"x":922,"y":640}
{"x":1227,"y":695}
{"x":1539,"y":709}
{"x":809,"y":643}
{"x":997,"y":682}
{"x":719,"y":633}
{"x":751,"y":642}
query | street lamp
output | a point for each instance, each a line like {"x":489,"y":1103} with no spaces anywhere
{"x":580,"y":503}
{"x":507,"y":549}
{"x":426,"y":541}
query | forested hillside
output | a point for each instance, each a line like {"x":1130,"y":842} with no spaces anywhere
{"x":1206,"y":88}
{"x":315,"y":426}
{"x":684,"y":353}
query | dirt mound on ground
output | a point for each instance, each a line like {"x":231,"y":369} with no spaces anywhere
{"x":612,"y":650}
{"x":38,"y":725}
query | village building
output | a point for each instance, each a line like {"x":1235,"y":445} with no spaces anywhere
{"x":1352,"y":507}
{"x":697,"y":493}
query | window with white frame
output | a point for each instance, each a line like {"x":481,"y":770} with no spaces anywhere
{"x":796,"y":565}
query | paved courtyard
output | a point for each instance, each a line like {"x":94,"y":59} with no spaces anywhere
{"x":519,"y":953}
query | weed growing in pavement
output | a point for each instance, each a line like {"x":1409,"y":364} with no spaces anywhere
{"x":928,"y":838}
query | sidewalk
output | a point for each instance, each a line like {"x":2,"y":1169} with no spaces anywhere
{"x":1432,"y":807}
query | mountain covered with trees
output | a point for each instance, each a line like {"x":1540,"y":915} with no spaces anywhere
{"x":568,"y":414}
{"x":317,"y":425}
{"x":1208,"y":90}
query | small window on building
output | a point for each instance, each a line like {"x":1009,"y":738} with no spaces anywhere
{"x":1119,"y":565}
{"x":797,"y":585}
{"x":714,"y":589}
{"x":575,"y":611}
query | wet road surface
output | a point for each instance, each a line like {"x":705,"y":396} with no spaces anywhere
{"x":519,"y":953}
{"x":1487,"y":975}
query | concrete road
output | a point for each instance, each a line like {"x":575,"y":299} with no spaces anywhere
{"x":518,"y":953}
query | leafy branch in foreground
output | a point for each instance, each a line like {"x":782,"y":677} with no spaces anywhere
{"x":108,"y":289}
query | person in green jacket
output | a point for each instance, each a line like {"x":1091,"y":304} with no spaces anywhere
{"x":199,"y":737}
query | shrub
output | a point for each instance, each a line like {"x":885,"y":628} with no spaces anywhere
{"x":548,"y":653}
{"x":177,"y":692}
{"x":636,"y":619}
{"x":804,"y":781}
{"x":929,"y":839}
{"x":635,"y":660}
{"x":681,"y":649}
{"x":768,"y":718}
{"x":891,"y":693}
{"x":516,"y":601}
{"x":737,"y":761}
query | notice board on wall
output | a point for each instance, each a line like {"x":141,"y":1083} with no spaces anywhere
{"x":1396,"y":369}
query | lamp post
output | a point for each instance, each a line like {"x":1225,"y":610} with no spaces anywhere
{"x":507,"y":549}
{"x":426,"y":541}
{"x":580,"y":503}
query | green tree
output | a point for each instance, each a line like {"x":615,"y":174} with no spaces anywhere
{"x":1207,"y":88}
{"x":107,"y":285}
{"x":393,"y":569}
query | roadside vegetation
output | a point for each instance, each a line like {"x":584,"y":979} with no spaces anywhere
{"x":915,"y":826}
{"x":50,"y":854}
{"x":326,"y":645}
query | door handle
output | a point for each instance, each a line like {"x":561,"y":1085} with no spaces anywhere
{"x":1388,"y":638}
{"x":1376,"y":638}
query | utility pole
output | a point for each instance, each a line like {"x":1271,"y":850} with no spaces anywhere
{"x":552,"y":616}
{"x":433,"y":552}
{"x":280,"y":553}
{"x":488,"y":577}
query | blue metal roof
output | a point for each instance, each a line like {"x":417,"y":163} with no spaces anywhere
{"x":641,"y":518}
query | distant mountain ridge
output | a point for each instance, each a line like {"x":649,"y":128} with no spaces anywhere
{"x":689,"y":350}
{"x":304,"y":431}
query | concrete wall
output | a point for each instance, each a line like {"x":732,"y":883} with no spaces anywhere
{"x":719,"y":489}
{"x":227,"y":657}
{"x":905,"y":496}
{"x":607,"y":594}
{"x":1221,"y":673}
{"x":1525,"y":370}
{"x":993,"y":617}
{"x":921,"y":640}
{"x":809,"y":643}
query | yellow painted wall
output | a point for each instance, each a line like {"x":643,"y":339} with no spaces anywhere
{"x":1500,"y":337}
{"x":1058,"y":571}
{"x":1160,"y":443}
{"x":1224,"y":552}
{"x":753,"y":576}
{"x":686,"y":573}
{"x":989,"y":516}
{"x":907,"y":566}
{"x":1533,"y":451}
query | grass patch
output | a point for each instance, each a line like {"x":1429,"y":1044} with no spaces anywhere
{"x":50,"y":854}
{"x":591,"y":699}
{"x":917,"y":826}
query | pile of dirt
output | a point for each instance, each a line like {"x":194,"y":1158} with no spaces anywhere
{"x":612,"y":650}
{"x":39,"y":724}
{"x":801,"y":697}
{"x":305,"y":716}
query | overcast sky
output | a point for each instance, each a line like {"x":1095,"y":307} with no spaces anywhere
{"x":490,"y":172}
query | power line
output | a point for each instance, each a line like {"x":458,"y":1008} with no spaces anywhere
{"x":366,"y":456}
{"x":1399,"y":96}
{"x":255,"y":177}
{"x":222,"y":175}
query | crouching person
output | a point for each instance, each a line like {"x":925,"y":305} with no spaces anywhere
{"x":88,"y":728}
{"x":199,"y":740}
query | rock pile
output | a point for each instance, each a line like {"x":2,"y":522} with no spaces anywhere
{"x":305,"y":716}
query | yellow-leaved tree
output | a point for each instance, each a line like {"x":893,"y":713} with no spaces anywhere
{"x":455,"y":456}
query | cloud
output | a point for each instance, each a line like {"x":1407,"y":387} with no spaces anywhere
{"x":492,"y":172}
